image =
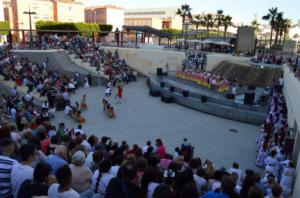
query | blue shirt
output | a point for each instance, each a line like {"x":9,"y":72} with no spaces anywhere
{"x":55,"y":162}
{"x":215,"y":195}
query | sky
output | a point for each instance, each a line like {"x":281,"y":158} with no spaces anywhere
{"x":242,"y":11}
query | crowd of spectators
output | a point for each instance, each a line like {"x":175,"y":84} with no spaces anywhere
{"x":267,"y":59}
{"x":275,"y":145}
{"x":106,"y":62}
{"x":38,"y":159}
{"x":295,"y":66}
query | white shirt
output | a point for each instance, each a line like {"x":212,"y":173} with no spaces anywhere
{"x":151,"y":188}
{"x":145,"y":148}
{"x":200,"y":181}
{"x":86,"y":145}
{"x":108,"y":90}
{"x":114,"y":170}
{"x":19,"y":174}
{"x":89,"y":160}
{"x":280,"y":81}
{"x":68,"y":109}
{"x":103,"y":183}
{"x":71,"y":86}
{"x":79,"y":130}
{"x":238,"y":172}
{"x":53,"y":192}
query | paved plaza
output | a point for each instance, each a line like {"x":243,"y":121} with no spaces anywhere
{"x":141,"y":117}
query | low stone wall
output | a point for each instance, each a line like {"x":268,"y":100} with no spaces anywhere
{"x":220,"y":108}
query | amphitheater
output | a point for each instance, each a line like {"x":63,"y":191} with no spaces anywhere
{"x":141,"y":117}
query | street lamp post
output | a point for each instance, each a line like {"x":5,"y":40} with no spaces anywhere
{"x":30,"y":26}
{"x":185,"y":25}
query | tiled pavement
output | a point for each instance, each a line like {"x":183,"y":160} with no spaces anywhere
{"x":141,"y":117}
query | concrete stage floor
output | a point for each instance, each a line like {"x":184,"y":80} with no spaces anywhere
{"x":141,"y":117}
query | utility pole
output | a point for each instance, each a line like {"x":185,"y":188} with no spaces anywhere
{"x":30,"y":25}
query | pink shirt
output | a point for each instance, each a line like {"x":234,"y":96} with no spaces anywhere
{"x":161,"y":151}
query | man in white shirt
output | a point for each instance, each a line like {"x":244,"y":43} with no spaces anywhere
{"x":66,"y":96}
{"x":79,"y":130}
{"x":68,"y":109}
{"x":6,"y":165}
{"x":63,"y":188}
{"x":23,"y":171}
{"x":85,"y":143}
{"x":145,"y":148}
{"x":235,"y":169}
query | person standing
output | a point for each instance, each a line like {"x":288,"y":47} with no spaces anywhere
{"x":23,"y":171}
{"x":6,"y":165}
{"x":119,"y":94}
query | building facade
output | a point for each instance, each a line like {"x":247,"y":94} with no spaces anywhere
{"x":159,"y":18}
{"x":69,"y":10}
{"x":52,"y":10}
{"x":1,"y":11}
{"x":106,"y":14}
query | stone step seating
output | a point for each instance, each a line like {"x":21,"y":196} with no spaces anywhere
{"x":85,"y":65}
{"x":260,"y":77}
{"x":10,"y":84}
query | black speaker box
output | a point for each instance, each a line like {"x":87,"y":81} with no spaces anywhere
{"x":230,"y":96}
{"x":203,"y":98}
{"x":172,"y":89}
{"x":185,"y":93}
{"x":159,"y":72}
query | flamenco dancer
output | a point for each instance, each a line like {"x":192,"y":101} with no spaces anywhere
{"x":83,"y":105}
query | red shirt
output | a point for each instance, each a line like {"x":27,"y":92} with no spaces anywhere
{"x":161,"y":151}
{"x":120,"y":91}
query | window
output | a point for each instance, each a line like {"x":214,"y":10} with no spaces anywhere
{"x":146,"y":13}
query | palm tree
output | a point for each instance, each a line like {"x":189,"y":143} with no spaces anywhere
{"x":284,"y":29}
{"x":184,"y":11}
{"x":197,"y":21}
{"x":219,"y":18}
{"x":277,"y":25}
{"x":208,"y":21}
{"x":255,"y":24}
{"x":226,"y":23}
{"x":271,"y":18}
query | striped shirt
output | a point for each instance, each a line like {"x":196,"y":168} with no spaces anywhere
{"x":6,"y":165}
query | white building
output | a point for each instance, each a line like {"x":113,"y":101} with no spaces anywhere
{"x":1,"y":11}
{"x":107,"y":14}
{"x":158,"y":18}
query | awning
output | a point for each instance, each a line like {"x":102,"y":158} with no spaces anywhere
{"x":206,"y":41}
{"x":194,"y":41}
{"x":222,"y":43}
{"x":147,"y":29}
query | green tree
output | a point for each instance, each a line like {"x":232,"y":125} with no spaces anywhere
{"x":278,"y":23}
{"x":4,"y":25}
{"x":184,"y":11}
{"x":208,"y":21}
{"x":255,"y":24}
{"x":284,"y":29}
{"x":219,"y":19}
{"x":226,"y":23}
{"x":197,"y":21}
{"x":271,"y":18}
